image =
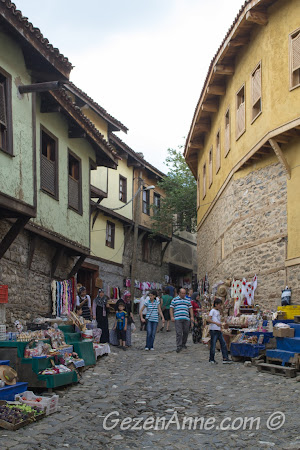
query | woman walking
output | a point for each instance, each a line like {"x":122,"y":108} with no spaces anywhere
{"x":153,"y":310}
{"x":100,"y":314}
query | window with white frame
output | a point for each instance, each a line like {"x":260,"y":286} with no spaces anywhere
{"x":256,"y":91}
{"x":110,"y":234}
{"x":295,"y":58}
{"x":240,"y":112}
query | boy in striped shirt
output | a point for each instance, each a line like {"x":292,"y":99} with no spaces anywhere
{"x":180,"y":311}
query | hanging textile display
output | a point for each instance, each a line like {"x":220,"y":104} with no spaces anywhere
{"x":237,"y":294}
{"x":63,"y":296}
{"x":249,"y":289}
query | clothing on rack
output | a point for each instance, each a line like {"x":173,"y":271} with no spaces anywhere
{"x":63,"y":296}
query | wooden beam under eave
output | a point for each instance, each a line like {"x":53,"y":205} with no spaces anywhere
{"x":210,"y":107}
{"x":216,"y":89}
{"x":281,"y":157}
{"x":12,"y":234}
{"x":239,"y":41}
{"x":77,"y":266}
{"x":223,"y":69}
{"x":202,"y":127}
{"x":258,"y":17}
{"x":196,"y":145}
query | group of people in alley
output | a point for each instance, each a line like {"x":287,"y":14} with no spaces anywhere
{"x":182,"y":309}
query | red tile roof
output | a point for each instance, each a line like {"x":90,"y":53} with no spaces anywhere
{"x":62,"y":97}
{"x":12,"y":15}
{"x":101,"y":111}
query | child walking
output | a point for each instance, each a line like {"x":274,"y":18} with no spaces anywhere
{"x":216,"y":334}
{"x":121,"y":324}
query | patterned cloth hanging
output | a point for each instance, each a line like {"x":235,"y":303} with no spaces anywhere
{"x":63,"y":296}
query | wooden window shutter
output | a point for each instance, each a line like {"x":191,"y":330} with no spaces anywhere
{"x":3,"y":119}
{"x":48,"y":175}
{"x":198,"y":192}
{"x":204,"y":180}
{"x":227,"y":132}
{"x":74,"y":198}
{"x":296,"y":52}
{"x":256,"y":86}
{"x":210,"y":166}
{"x":218,"y":153}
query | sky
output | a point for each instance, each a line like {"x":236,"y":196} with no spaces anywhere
{"x":144,"y":61}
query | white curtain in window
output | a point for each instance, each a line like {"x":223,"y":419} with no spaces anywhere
{"x":256,"y":86}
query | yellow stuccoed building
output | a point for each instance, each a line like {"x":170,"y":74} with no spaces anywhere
{"x":244,"y":150}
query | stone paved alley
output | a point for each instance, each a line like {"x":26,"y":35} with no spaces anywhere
{"x":140,"y":384}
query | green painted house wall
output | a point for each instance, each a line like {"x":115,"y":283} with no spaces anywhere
{"x":16,"y":172}
{"x":52,"y":214}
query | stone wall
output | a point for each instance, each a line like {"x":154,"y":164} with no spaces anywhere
{"x":110,"y":274}
{"x":151,"y":270}
{"x":29,"y":292}
{"x":249,"y":221}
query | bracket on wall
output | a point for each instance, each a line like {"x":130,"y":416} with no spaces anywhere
{"x":77,"y":266}
{"x":12,"y":233}
{"x":281,"y":157}
{"x":32,"y":246}
{"x":56,"y":259}
{"x":164,"y":251}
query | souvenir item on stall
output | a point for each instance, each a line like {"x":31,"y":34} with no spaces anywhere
{"x":63,"y":296}
{"x":248,"y":289}
{"x":8,"y":375}
{"x":236,"y":294}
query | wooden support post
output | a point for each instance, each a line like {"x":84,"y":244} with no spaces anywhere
{"x":164,"y":251}
{"x":258,"y":17}
{"x":239,"y":41}
{"x":210,"y":107}
{"x":216,"y":89}
{"x":223,"y":69}
{"x":77,"y":266}
{"x":281,"y":157}
{"x":11,"y":235}
{"x":32,"y":246}
{"x":202,"y":127}
{"x":55,"y":260}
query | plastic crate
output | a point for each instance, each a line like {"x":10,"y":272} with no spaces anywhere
{"x":48,"y":405}
{"x":3,"y":293}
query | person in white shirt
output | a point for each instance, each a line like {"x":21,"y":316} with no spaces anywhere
{"x":215,"y":332}
{"x":142,"y":302}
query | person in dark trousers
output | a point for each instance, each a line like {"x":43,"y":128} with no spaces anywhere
{"x":100,"y":314}
{"x":121,"y":324}
{"x":214,"y":320}
{"x":180,"y":311}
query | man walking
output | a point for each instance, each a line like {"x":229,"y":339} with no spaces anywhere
{"x":180,"y":311}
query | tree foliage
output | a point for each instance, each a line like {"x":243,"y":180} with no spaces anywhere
{"x":178,"y":206}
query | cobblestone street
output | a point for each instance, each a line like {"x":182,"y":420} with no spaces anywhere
{"x":164,"y":384}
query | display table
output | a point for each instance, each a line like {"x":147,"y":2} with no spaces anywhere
{"x":28,"y":368}
{"x":103,"y":349}
{"x":246,"y":350}
{"x":288,"y":349}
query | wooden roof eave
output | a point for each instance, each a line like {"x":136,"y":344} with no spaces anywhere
{"x":235,"y":33}
{"x":103,"y":154}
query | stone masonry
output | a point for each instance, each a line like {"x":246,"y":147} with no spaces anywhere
{"x":29,"y":290}
{"x":250,"y":221}
{"x":151,"y":270}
